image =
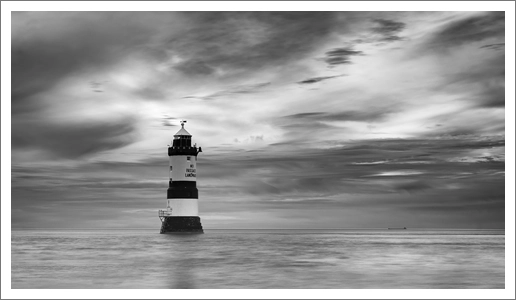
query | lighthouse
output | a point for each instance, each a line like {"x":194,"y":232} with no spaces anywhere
{"x":182,"y":212}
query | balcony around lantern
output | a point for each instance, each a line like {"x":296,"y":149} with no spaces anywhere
{"x":193,"y":151}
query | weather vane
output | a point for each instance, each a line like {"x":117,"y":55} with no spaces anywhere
{"x":183,"y":123}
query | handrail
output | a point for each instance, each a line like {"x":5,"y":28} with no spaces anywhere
{"x":164,"y":213}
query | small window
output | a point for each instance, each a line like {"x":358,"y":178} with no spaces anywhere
{"x":188,"y":158}
{"x":170,"y":168}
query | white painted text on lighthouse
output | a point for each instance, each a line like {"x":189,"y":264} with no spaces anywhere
{"x":183,"y":169}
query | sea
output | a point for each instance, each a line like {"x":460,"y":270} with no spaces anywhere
{"x":258,"y":259}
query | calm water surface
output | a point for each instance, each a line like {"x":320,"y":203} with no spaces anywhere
{"x":258,"y":259}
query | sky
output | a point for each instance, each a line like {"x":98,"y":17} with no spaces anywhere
{"x":306,"y":119}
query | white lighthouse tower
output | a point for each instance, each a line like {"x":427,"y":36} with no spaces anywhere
{"x":182,"y":212}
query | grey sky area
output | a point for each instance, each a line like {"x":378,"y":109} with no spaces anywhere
{"x":306,"y":119}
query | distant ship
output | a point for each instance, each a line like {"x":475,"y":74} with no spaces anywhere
{"x":397,"y":228}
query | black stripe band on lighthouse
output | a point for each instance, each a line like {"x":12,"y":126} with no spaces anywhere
{"x":182,"y":212}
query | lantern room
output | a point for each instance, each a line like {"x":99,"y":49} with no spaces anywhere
{"x":182,"y":138}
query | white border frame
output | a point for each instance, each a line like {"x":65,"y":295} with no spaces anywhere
{"x":507,"y":6}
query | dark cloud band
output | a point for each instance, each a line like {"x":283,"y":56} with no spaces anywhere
{"x":339,"y":56}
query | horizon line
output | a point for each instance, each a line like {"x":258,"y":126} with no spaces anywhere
{"x":349,"y":228}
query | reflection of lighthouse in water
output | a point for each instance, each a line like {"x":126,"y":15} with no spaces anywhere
{"x":182,"y":213}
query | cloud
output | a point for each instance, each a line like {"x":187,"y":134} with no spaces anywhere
{"x":73,"y":140}
{"x":327,"y":128}
{"x":492,"y":94}
{"x":364,"y":116}
{"x":476,"y":28}
{"x":339,"y":56}
{"x":484,"y":81}
{"x":250,"y":139}
{"x":299,"y":181}
{"x":318,"y":79}
{"x":476,"y":73}
{"x":413,"y":186}
{"x":167,"y":121}
{"x":497,"y":46}
{"x":194,"y":67}
{"x":383,"y":31}
{"x":339,"y":169}
{"x":150,"y":93}
{"x":97,"y":86}
{"x":237,"y":90}
{"x":47,"y":47}
{"x":233,"y":42}
{"x":398,"y":173}
{"x":388,"y":30}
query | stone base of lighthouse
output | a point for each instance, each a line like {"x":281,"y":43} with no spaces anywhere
{"x":181,"y":225}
